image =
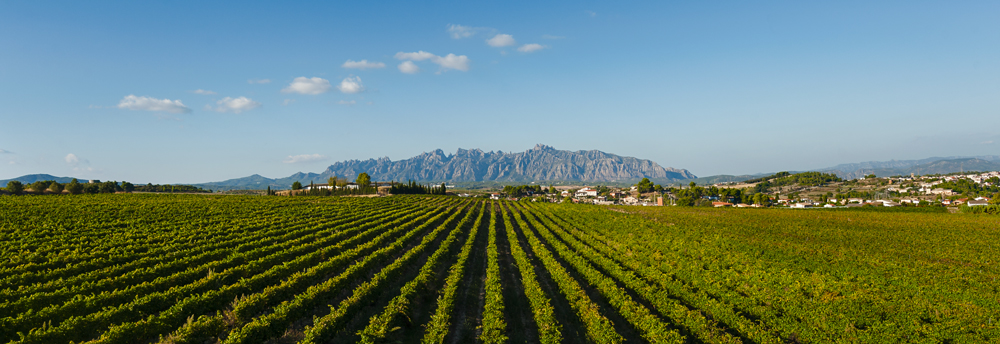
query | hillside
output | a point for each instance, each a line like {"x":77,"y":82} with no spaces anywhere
{"x":541,"y":163}
{"x":935,"y":165}
{"x":31,"y":178}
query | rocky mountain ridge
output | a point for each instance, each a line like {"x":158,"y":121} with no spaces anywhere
{"x":537,"y":164}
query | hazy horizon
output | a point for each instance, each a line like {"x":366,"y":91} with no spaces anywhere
{"x":188,"y":92}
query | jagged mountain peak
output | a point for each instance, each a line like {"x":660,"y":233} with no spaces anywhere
{"x":542,"y":162}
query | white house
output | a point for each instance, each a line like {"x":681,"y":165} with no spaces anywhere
{"x":586,"y":192}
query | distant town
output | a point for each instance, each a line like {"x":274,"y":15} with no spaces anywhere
{"x":803,"y":190}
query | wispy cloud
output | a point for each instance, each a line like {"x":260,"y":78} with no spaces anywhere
{"x":78,"y":164}
{"x":552,"y":37}
{"x":459,"y":31}
{"x":347,"y":102}
{"x":987,"y":142}
{"x":236,"y":105}
{"x":592,"y":14}
{"x":363,"y":64}
{"x":417,"y":56}
{"x":131,"y":102}
{"x":305,"y":158}
{"x":201,"y":91}
{"x":304,"y":85}
{"x":530,"y":48}
{"x":3,"y":151}
{"x":501,"y":40}
{"x":288,"y":101}
{"x":258,"y":81}
{"x":450,"y":61}
{"x":351,"y":85}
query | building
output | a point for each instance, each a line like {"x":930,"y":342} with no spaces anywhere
{"x":494,"y":196}
{"x":974,"y":203}
{"x":319,"y":186}
{"x":721,"y":204}
{"x":586,"y":192}
{"x":802,"y":205}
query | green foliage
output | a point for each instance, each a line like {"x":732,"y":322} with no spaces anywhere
{"x":144,"y":268}
{"x":412,"y":188}
{"x":522,"y":190}
{"x":970,"y":188}
{"x":167,"y":188}
{"x":55,"y":187}
{"x":40,"y":186}
{"x":993,"y":209}
{"x":644,"y":186}
{"x":296,"y":185}
{"x":363,"y":179}
{"x":15,"y":187}
{"x":74,"y":187}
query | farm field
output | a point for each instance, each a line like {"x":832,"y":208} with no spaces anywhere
{"x":146,"y":268}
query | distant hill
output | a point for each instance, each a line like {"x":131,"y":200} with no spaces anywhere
{"x":936,"y":165}
{"x":31,"y":178}
{"x":541,"y":163}
{"x":721,"y":178}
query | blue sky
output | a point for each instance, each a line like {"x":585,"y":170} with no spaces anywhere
{"x":187,"y":92}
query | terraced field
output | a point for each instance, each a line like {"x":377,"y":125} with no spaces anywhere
{"x":433,"y":269}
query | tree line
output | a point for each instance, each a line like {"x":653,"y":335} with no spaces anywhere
{"x":412,"y":188}
{"x":74,"y":187}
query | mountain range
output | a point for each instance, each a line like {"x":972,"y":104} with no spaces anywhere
{"x":31,"y":178}
{"x":541,"y":163}
{"x":546,"y":164}
{"x":937,"y":165}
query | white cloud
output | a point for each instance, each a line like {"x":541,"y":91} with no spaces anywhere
{"x":304,"y":158}
{"x":132,"y":102}
{"x":347,"y":102}
{"x":201,"y":91}
{"x":258,"y":81}
{"x":459,"y":31}
{"x":74,"y":160}
{"x":304,"y":85}
{"x":409,"y":67}
{"x":351,"y":85}
{"x":453,"y":62}
{"x":530,"y":48}
{"x":450,"y":61}
{"x":236,"y":105}
{"x":552,"y":37}
{"x":501,"y":40}
{"x":288,"y":101}
{"x":363,"y":64}
{"x":417,"y":56}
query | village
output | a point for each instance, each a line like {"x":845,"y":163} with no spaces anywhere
{"x":962,"y":189}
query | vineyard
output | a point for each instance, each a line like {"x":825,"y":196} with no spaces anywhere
{"x":123,"y":268}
